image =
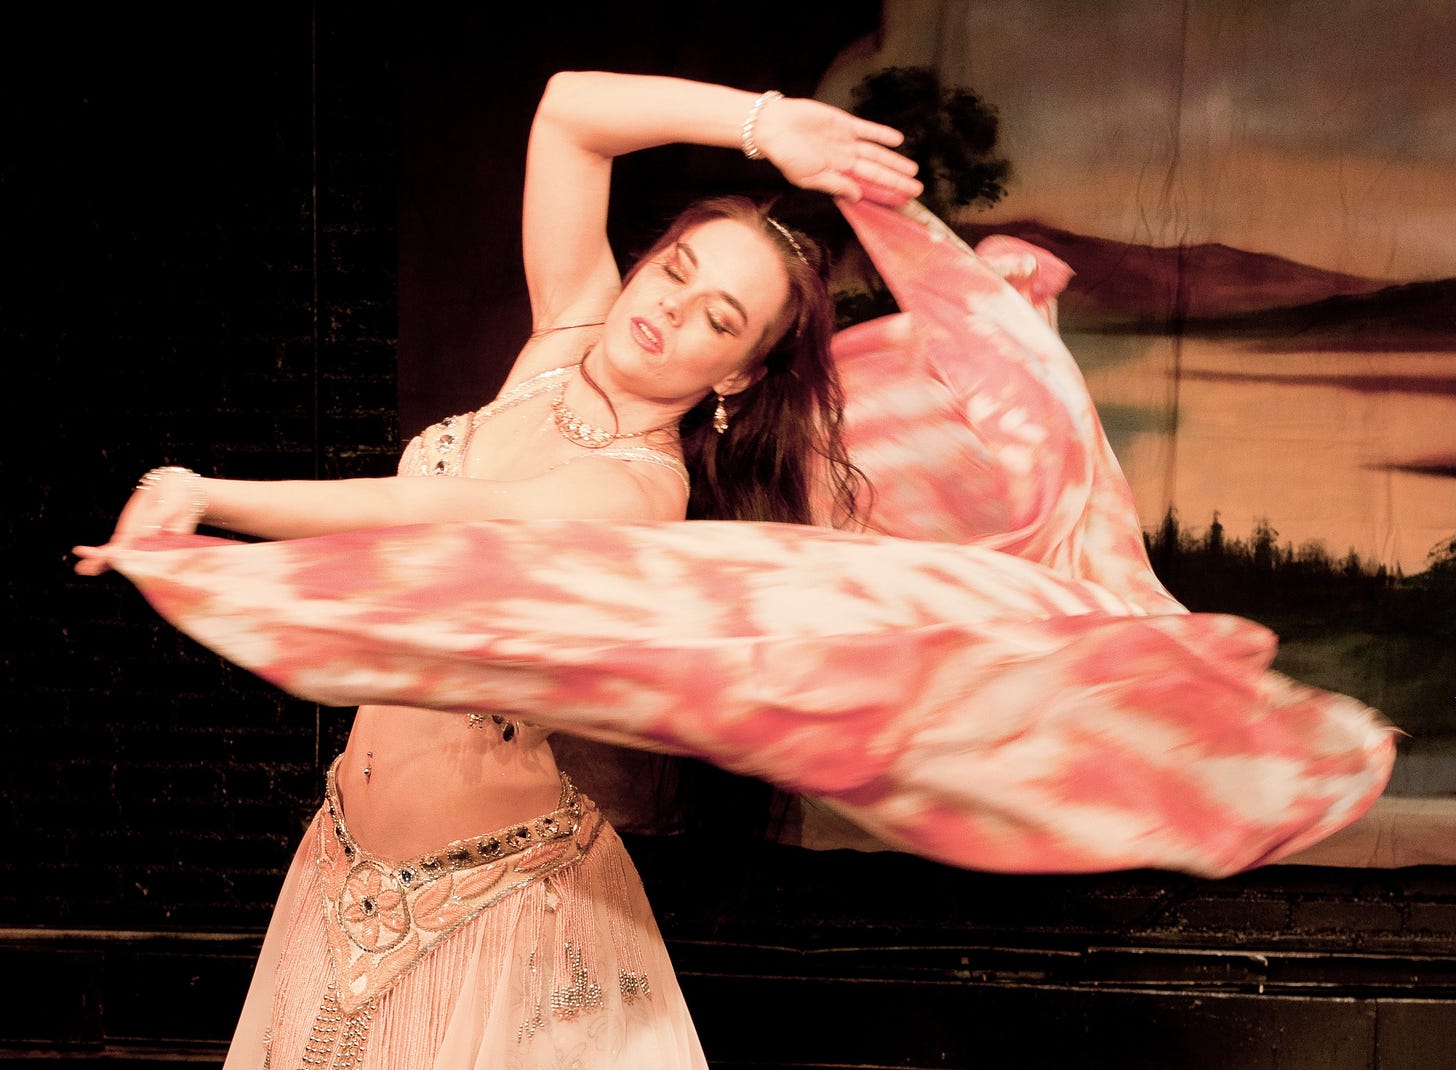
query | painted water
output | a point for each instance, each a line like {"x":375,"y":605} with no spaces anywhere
{"x":1351,"y":452}
{"x":1356,"y":451}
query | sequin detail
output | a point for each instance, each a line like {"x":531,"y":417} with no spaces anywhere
{"x":634,"y":985}
{"x":386,"y":916}
{"x":582,"y":995}
{"x":337,"y":1039}
{"x":440,"y":449}
{"x":506,"y":727}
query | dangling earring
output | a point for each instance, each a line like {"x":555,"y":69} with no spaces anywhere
{"x":720,"y":417}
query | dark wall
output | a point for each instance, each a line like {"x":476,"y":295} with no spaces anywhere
{"x":200,"y":217}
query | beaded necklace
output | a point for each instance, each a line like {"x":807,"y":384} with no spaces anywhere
{"x":576,"y":430}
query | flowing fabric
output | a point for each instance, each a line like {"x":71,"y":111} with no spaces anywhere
{"x":984,"y":671}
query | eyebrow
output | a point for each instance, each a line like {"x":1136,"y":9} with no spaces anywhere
{"x":686,"y":250}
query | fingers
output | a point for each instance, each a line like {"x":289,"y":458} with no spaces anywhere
{"x":889,"y":159}
{"x":135,"y":517}
{"x":890,"y":174}
{"x":840,"y":184}
{"x":148,"y":513}
{"x":887,"y":169}
{"x":91,"y":560}
{"x":879,"y":184}
{"x":886,"y":195}
{"x":870,"y":131}
{"x":875,"y":168}
{"x":892,"y":184}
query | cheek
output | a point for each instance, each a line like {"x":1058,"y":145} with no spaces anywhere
{"x":638,"y":293}
{"x":720,"y":354}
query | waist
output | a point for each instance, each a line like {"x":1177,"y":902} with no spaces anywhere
{"x":477,"y":849}
{"x":412,"y":779}
{"x":415,"y":724}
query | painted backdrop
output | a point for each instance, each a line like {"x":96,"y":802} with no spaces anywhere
{"x":1259,"y":201}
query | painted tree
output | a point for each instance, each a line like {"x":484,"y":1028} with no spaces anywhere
{"x":949,"y":131}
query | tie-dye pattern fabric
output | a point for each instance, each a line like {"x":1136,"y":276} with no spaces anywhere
{"x":988,"y":674}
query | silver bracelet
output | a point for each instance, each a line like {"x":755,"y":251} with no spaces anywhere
{"x":197,"y":498}
{"x":750,"y":147}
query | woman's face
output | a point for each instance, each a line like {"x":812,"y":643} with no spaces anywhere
{"x":694,"y":316}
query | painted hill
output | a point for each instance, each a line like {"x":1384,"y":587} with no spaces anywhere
{"x":1122,"y":283}
{"x":1405,"y":317}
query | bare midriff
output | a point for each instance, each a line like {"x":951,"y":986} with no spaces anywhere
{"x":433,"y":779}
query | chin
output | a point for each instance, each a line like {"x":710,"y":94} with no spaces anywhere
{"x":628,"y":365}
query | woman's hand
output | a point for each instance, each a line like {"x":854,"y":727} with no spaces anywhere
{"x":166,"y":501}
{"x":818,"y":146}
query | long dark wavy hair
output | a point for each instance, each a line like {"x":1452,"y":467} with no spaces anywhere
{"x":782,"y":457}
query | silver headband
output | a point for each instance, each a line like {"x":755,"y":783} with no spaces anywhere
{"x":798,"y":250}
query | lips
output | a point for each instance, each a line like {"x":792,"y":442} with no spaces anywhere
{"x":646,"y":335}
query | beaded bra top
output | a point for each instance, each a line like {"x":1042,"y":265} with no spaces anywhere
{"x":439,"y":450}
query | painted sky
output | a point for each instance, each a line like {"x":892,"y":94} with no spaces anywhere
{"x":1323,"y":131}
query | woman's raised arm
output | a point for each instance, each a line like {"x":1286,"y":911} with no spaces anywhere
{"x":587,"y":118}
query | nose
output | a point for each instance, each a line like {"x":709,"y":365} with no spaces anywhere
{"x":671,"y":307}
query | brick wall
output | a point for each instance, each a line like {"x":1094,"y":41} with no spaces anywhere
{"x":202,"y":236}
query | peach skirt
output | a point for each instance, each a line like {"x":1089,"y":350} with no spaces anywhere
{"x":533,"y":946}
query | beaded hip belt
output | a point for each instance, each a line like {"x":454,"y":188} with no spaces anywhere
{"x":384,"y":917}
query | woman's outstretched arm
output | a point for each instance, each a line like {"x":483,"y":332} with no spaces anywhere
{"x":176,"y":501}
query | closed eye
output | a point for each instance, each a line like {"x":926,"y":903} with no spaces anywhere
{"x":672,"y":268}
